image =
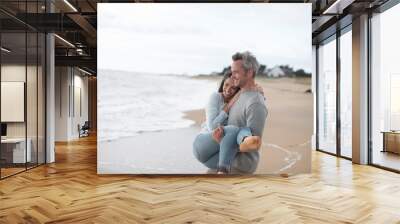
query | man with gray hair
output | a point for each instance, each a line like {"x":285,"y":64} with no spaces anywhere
{"x":248,"y":111}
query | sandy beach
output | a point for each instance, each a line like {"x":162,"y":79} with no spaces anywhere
{"x":286,"y":144}
{"x":286,"y":138}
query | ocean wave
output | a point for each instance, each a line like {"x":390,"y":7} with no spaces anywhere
{"x":132,"y":103}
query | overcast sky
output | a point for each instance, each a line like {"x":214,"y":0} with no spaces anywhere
{"x":201,"y":38}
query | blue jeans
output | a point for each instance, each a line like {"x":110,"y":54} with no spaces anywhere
{"x":214,"y":155}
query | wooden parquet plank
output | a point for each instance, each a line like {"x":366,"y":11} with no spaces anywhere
{"x":70,"y":191}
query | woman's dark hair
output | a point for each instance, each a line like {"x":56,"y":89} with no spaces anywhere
{"x":227,"y":75}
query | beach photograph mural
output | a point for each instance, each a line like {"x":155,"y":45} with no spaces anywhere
{"x":204,"y":88}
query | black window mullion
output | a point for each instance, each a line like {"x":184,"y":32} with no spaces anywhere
{"x":37,"y":90}
{"x":338,"y":98}
{"x":369,"y":89}
{"x":26,"y":87}
{"x":317,"y":96}
{"x":0,"y":98}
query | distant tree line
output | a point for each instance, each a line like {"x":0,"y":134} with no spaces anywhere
{"x":274,"y":72}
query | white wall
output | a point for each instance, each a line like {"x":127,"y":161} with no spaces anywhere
{"x":79,"y":117}
{"x":12,"y":73}
{"x":70,"y":83}
{"x":62,"y":81}
{"x":33,"y":126}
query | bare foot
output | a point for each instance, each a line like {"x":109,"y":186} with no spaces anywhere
{"x":250,"y":143}
{"x":222,"y":170}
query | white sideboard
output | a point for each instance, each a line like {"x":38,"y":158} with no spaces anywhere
{"x":18,"y":154}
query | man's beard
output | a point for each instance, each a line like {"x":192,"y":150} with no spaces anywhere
{"x":240,"y":83}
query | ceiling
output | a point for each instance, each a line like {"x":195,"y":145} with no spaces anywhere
{"x":75,"y":21}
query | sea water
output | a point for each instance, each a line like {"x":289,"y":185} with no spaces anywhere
{"x":130,"y":103}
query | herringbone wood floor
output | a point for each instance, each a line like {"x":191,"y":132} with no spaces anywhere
{"x":70,"y":191}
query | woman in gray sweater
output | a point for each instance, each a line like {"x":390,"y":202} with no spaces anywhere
{"x":217,"y":112}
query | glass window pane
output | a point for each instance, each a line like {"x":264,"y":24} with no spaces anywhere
{"x":41,"y":98}
{"x":23,"y":90}
{"x":346,"y":94}
{"x":386,"y":89}
{"x":31,"y":101}
{"x":327,"y":97}
{"x":14,"y":153}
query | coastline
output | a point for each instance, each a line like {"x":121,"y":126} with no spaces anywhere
{"x":157,"y":152}
{"x":198,"y":116}
{"x":286,"y":147}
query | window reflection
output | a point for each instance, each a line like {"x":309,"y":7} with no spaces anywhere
{"x":327,"y":96}
{"x":346,"y":94}
{"x":385,"y":114}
